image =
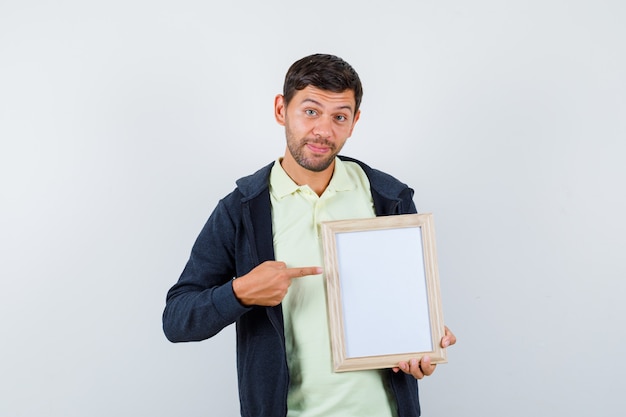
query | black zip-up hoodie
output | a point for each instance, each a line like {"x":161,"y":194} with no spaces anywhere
{"x":236,"y":238}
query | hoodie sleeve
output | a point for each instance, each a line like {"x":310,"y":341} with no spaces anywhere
{"x":202,"y":302}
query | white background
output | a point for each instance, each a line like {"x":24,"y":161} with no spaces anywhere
{"x":123,"y":122}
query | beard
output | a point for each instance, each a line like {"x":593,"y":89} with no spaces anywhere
{"x":308,"y":160}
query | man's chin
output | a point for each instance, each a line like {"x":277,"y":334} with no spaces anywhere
{"x":316,"y":164}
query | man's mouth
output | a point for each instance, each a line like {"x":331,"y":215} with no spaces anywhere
{"x":318,"y":147}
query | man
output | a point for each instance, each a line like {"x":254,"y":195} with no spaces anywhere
{"x":265,"y":235}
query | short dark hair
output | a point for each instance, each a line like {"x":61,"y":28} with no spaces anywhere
{"x":323,"y":71}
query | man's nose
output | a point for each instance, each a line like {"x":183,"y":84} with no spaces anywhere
{"x":323,"y":127}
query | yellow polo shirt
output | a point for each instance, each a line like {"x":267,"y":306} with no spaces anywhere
{"x":316,"y":390}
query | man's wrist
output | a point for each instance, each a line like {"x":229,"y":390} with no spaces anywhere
{"x":239,"y":292}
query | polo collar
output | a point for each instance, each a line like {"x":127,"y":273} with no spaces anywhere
{"x":282,"y":185}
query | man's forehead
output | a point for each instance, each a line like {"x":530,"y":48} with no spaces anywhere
{"x":326,"y":98}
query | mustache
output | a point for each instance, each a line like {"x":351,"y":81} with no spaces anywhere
{"x":318,"y":141}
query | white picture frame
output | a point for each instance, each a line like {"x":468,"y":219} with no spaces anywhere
{"x":382,"y":285}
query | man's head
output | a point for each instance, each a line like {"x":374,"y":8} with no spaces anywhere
{"x":318,"y":109}
{"x":325,"y":72}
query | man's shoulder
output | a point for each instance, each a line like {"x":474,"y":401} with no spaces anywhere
{"x":391,"y":196}
{"x":252,"y":185}
{"x":248,"y":188}
{"x":377,"y":178}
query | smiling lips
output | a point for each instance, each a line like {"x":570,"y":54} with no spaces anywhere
{"x":318,"y":148}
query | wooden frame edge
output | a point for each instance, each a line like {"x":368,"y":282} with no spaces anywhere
{"x":424,"y":221}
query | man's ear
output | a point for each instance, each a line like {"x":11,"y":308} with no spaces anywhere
{"x":280,"y":109}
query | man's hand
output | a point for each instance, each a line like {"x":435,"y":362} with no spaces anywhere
{"x":420,"y":369}
{"x":267,"y":284}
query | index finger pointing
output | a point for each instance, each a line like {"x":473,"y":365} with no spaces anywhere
{"x":303,"y":271}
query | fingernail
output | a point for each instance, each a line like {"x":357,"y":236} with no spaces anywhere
{"x":446,"y":343}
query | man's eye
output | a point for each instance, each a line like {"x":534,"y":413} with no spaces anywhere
{"x":342,"y":118}
{"x":310,"y":112}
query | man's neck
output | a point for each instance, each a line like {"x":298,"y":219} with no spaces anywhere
{"x":317,"y":181}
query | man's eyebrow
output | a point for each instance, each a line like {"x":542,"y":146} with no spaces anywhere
{"x":344,"y":107}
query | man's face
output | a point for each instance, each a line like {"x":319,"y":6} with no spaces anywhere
{"x":317,"y":125}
